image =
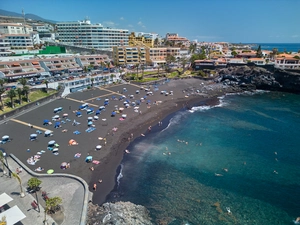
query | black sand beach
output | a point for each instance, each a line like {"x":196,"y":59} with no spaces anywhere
{"x":113,"y":143}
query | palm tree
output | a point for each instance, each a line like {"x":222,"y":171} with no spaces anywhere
{"x":92,"y":80}
{"x":34,"y":183}
{"x":2,"y":91}
{"x":85,"y":69}
{"x":19,"y":93}
{"x":26,"y":92}
{"x":143,"y":68}
{"x":53,"y":203}
{"x":46,"y":82}
{"x":22,"y":194}
{"x":137,"y":70}
{"x":23,"y":81}
{"x":2,"y":161}
{"x":11,"y":94}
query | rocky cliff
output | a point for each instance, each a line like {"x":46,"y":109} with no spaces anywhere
{"x":119,"y":213}
{"x":248,"y":78}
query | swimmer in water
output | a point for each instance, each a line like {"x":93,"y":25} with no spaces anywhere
{"x":228,"y":210}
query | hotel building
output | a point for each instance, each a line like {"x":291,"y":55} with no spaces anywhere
{"x":83,"y":33}
{"x":141,"y":55}
{"x":4,"y":46}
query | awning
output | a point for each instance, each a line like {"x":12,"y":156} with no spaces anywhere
{"x":16,"y":64}
{"x":12,"y":215}
{"x":35,"y":63}
{"x":4,"y":199}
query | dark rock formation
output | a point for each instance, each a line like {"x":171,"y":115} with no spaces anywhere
{"x":119,"y":213}
{"x":249,"y":78}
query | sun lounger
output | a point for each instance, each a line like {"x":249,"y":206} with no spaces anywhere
{"x":39,"y":132}
{"x":76,"y":132}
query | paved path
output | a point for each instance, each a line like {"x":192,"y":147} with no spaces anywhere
{"x":70,"y":190}
{"x":27,"y":124}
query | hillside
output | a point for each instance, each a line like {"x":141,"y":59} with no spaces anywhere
{"x":27,"y":16}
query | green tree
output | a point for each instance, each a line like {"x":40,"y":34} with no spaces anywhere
{"x":143,"y":69}
{"x":22,"y":194}
{"x":193,"y":48}
{"x":170,"y":59}
{"x":53,"y":203}
{"x":85,"y":69}
{"x":19,"y":93}
{"x":26,"y":91}
{"x":183,"y":62}
{"x":259,"y":52}
{"x":156,"y":41}
{"x":46,"y":82}
{"x":92,"y":81}
{"x":11,"y":94}
{"x":234,"y":53}
{"x":2,"y":82}
{"x":23,"y":81}
{"x":34,"y":183}
{"x":2,"y":91}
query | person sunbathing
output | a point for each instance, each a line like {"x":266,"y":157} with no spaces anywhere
{"x":92,"y":168}
{"x":64,"y":130}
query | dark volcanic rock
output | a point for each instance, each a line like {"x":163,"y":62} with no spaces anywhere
{"x":119,"y":213}
{"x":249,"y":78}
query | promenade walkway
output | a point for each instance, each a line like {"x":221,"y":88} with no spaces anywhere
{"x":73,"y":191}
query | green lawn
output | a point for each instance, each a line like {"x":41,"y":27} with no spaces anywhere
{"x":33,"y":96}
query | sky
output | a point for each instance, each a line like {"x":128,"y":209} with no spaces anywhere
{"x":235,"y":21}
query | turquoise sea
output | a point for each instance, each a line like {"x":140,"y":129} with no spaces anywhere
{"x":289,"y":47}
{"x":233,"y":163}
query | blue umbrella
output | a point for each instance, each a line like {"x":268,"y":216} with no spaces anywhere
{"x":113,"y":113}
{"x":33,"y":135}
{"x":81,"y":107}
{"x":90,"y":123}
{"x":51,"y":142}
{"x":148,"y":101}
{"x":46,"y":121}
{"x":98,"y":112}
{"x":145,"y":96}
{"x":92,"y":109}
{"x":78,"y":113}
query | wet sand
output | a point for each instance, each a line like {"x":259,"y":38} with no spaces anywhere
{"x":112,"y":152}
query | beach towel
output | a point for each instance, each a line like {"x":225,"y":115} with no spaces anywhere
{"x":77,"y":155}
{"x":96,"y":162}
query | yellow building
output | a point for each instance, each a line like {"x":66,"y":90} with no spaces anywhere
{"x":130,"y":55}
{"x":140,"y":41}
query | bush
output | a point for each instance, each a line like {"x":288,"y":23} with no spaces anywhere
{"x":34,"y":183}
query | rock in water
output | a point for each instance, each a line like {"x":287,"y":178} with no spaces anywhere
{"x":119,"y":213}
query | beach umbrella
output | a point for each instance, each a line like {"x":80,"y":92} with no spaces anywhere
{"x":90,"y":118}
{"x":96,"y":118}
{"x":60,"y":108}
{"x":107,"y":100}
{"x":65,"y":115}
{"x":55,"y":117}
{"x":127,"y":105}
{"x":98,"y":147}
{"x":113,"y":113}
{"x":124,"y":116}
{"x":33,"y":135}
{"x":90,"y":123}
{"x":5,"y":137}
{"x":92,"y":109}
{"x":89,"y":158}
{"x":145,"y":96}
{"x":50,"y":171}
{"x":47,"y":132}
{"x":46,"y":121}
{"x":98,"y":112}
{"x":136,"y":107}
{"x":56,"y":110}
{"x":63,"y":165}
{"x":51,"y":142}
{"x":78,"y":113}
{"x":102,"y":107}
{"x":85,"y":105}
{"x":55,"y":150}
{"x":148,"y":101}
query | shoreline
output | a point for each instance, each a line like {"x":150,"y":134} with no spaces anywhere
{"x":108,"y":170}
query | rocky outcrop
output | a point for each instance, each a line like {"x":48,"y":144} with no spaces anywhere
{"x":119,"y":213}
{"x":248,"y":78}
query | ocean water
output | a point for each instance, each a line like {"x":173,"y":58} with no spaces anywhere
{"x":289,"y":47}
{"x":233,"y":163}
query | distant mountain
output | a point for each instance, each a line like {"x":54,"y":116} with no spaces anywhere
{"x":27,"y":16}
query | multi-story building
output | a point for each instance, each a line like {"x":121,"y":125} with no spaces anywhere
{"x":143,"y":55}
{"x":176,"y":40}
{"x":19,"y":41}
{"x":4,"y":46}
{"x":126,"y":55}
{"x":159,"y":55}
{"x":32,"y":66}
{"x":15,"y":28}
{"x":287,"y":63}
{"x":83,"y":33}
{"x":140,"y":40}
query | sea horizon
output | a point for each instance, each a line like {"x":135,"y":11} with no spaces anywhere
{"x":231,"y":157}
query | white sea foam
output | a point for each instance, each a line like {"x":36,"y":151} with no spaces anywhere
{"x":207,"y":107}
{"x":119,"y":177}
{"x":175,"y":120}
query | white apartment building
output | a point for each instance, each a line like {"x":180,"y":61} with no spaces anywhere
{"x":19,"y":41}
{"x":15,"y":28}
{"x":4,"y":46}
{"x":83,"y":33}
